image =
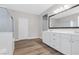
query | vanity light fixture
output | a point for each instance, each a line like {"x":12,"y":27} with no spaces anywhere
{"x":58,"y":10}
{"x":67,"y":6}
{"x":61,"y":9}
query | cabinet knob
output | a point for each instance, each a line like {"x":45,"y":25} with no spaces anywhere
{"x":53,"y":45}
{"x":53,"y":34}
{"x":53,"y":39}
{"x":72,"y":41}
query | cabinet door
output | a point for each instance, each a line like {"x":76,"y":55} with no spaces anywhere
{"x":66,"y":44}
{"x":57,"y":41}
{"x":75,"y":44}
{"x":46,"y":37}
{"x":52,"y":40}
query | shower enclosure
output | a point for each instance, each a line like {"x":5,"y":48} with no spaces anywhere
{"x":6,"y":32}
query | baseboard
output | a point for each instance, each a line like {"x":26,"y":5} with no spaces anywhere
{"x":32,"y":37}
{"x":29,"y":38}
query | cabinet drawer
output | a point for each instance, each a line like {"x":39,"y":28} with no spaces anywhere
{"x":55,"y":35}
{"x":75,"y":44}
{"x":75,"y":37}
{"x":66,"y":43}
{"x":64,"y":36}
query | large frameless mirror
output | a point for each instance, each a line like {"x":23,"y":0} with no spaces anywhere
{"x":70,"y":21}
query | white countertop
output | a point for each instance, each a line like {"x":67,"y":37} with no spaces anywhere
{"x":64,"y":31}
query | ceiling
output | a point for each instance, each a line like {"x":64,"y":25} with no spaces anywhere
{"x":28,"y":8}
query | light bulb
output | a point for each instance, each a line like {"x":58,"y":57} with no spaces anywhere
{"x":66,"y":6}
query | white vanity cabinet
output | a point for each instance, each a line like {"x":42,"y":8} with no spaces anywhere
{"x":56,"y":41}
{"x":52,"y":39}
{"x":46,"y":36}
{"x":75,"y":44}
{"x":66,"y":43}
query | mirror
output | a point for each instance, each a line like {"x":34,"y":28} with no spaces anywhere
{"x":71,"y":21}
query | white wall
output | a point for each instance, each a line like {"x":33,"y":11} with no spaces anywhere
{"x":33,"y":28}
{"x":56,"y":6}
{"x":51,"y":9}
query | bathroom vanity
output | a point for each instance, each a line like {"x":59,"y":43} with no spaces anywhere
{"x":66,"y":42}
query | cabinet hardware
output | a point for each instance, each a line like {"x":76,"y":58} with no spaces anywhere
{"x":53,"y":39}
{"x":72,"y":41}
{"x":53,"y":34}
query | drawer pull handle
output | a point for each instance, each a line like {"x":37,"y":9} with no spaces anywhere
{"x":53,"y":45}
{"x":54,"y":34}
{"x":72,"y":41}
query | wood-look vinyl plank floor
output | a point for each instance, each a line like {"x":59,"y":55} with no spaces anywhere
{"x":33,"y":47}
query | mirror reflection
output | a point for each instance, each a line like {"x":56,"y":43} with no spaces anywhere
{"x":68,"y":21}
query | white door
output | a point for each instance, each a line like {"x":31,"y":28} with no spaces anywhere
{"x":66,"y":44}
{"x":75,"y":44}
{"x":23,"y":28}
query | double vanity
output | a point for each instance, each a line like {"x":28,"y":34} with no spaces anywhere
{"x":66,"y":42}
{"x":62,"y":33}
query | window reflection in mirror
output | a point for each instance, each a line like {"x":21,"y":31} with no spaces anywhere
{"x":68,"y":21}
